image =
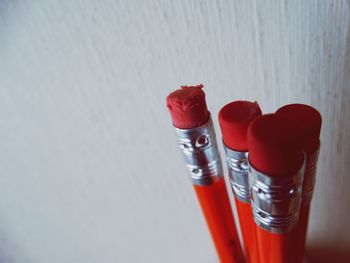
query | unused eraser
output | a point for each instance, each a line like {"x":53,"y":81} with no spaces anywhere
{"x":308,"y":121}
{"x":234,"y":119}
{"x":274,"y":146}
{"x":187,"y":106}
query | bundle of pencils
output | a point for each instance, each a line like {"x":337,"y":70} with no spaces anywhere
{"x":271,"y":160}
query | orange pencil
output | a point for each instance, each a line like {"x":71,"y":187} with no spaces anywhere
{"x":308,"y":121}
{"x":276,"y":174}
{"x":234,"y":119}
{"x":196,"y":135}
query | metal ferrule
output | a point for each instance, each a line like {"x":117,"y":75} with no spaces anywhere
{"x":309,"y":178}
{"x":275,"y":200}
{"x":238,"y":170}
{"x":201,"y":153}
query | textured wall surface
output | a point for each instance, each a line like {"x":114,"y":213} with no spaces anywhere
{"x":89,"y":168}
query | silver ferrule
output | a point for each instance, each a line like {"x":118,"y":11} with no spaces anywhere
{"x":201,"y":153}
{"x":309,"y":178}
{"x":275,"y":200}
{"x":238,"y":170}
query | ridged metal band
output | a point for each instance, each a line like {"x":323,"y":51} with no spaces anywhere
{"x":309,"y":178}
{"x":238,"y":170}
{"x":201,"y":153}
{"x":275,"y":200}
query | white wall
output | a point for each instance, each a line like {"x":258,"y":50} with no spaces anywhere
{"x":89,"y":167}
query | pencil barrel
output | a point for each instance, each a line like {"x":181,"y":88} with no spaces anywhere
{"x":215,"y":204}
{"x":248,"y":230}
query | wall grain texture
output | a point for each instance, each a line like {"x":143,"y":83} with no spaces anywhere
{"x":89,"y":168}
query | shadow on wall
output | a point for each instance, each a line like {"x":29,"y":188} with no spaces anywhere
{"x":328,"y":253}
{"x":10,"y":250}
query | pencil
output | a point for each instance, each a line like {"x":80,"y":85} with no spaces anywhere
{"x":234,"y":119}
{"x":276,"y":173}
{"x":308,"y":121}
{"x":195,"y":131}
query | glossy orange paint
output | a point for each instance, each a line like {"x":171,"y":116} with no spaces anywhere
{"x":215,"y":204}
{"x":275,"y":248}
{"x":248,"y":230}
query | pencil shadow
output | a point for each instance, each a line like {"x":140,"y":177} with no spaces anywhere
{"x":11,"y":250}
{"x":328,"y":253}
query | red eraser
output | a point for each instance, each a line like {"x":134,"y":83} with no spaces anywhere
{"x":234,"y":119}
{"x":274,"y":146}
{"x":308,"y":121}
{"x":188,"y":107}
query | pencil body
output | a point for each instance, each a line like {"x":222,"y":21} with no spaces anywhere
{"x":275,"y":248}
{"x":248,"y":230}
{"x":216,"y":208}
